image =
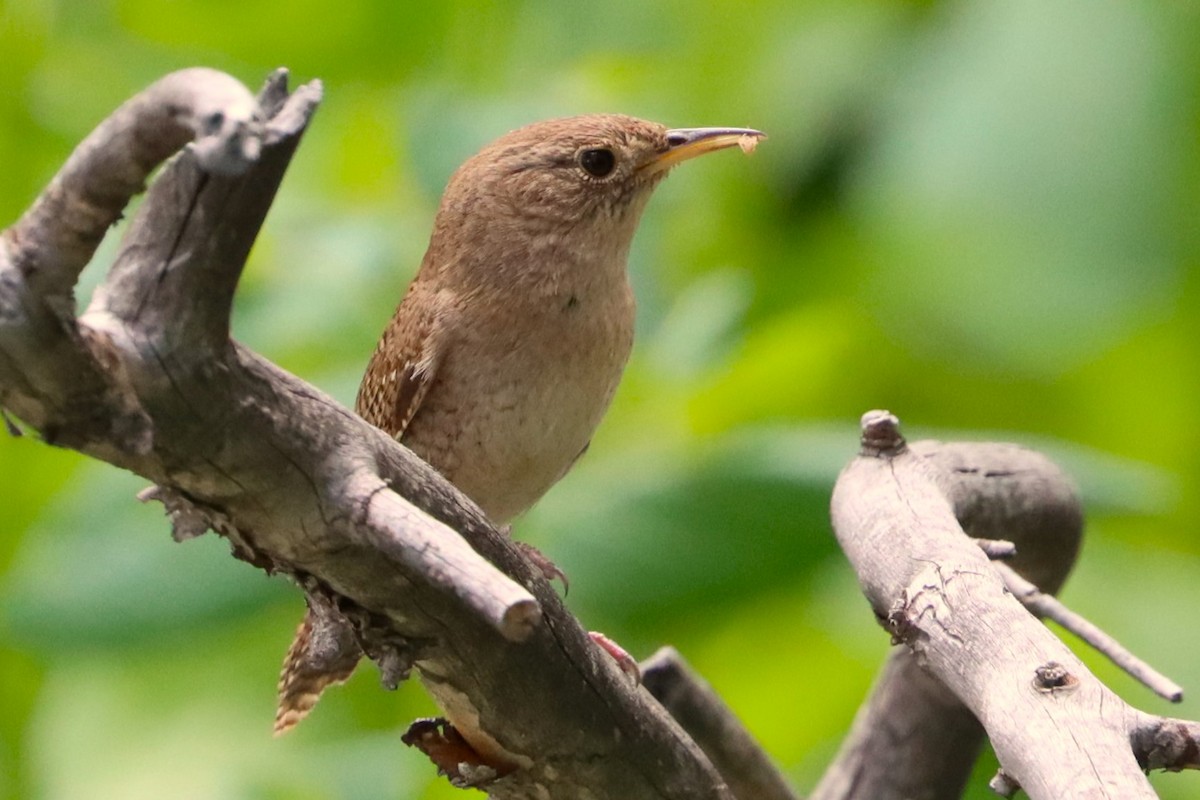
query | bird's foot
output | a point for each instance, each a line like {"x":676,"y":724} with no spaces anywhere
{"x":619,"y":654}
{"x":453,"y":755}
{"x":548,"y":568}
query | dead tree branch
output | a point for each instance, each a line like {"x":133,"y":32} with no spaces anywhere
{"x":149,"y":380}
{"x":913,"y":737}
{"x":1165,"y":743}
{"x":1058,"y":731}
{"x":713,"y":725}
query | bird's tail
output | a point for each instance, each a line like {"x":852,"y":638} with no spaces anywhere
{"x":324,"y":652}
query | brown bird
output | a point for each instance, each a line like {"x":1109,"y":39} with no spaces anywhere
{"x":509,"y":344}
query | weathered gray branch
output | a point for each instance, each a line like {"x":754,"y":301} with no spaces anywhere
{"x":53,"y":374}
{"x":713,"y":725}
{"x":148,"y":380}
{"x":1058,"y":731}
{"x":913,"y":737}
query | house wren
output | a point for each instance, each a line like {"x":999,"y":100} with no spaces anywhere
{"x":507,"y":348}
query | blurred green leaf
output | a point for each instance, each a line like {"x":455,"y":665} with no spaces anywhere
{"x":1023,"y":177}
{"x":75,"y":584}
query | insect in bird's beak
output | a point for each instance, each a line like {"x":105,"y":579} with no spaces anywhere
{"x":685,"y":143}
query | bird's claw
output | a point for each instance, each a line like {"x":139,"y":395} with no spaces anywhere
{"x":548,"y":568}
{"x":619,"y":654}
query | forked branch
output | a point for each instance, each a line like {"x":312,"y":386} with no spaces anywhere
{"x":1057,"y":730}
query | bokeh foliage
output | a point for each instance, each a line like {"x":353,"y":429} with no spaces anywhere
{"x":980,"y":215}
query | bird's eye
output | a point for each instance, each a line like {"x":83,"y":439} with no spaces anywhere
{"x":599,"y":162}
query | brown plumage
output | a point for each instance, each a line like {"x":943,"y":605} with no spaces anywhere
{"x":323,"y":652}
{"x":509,"y":343}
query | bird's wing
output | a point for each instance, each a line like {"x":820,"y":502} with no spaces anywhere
{"x":404,"y":364}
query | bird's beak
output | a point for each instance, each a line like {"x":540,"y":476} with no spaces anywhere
{"x":685,"y":143}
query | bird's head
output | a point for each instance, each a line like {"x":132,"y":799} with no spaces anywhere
{"x":575,"y":183}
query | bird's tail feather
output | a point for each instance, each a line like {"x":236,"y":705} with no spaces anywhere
{"x":324,"y":652}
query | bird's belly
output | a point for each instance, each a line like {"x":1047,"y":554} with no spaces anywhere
{"x":535,"y":435}
{"x":533,"y":410}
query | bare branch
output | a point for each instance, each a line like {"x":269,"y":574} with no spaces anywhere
{"x":1005,"y":491}
{"x":910,"y":738}
{"x":404,"y":532}
{"x":913,"y":737}
{"x":179,"y":293}
{"x":56,"y":238}
{"x":997,"y":549}
{"x":55,"y":377}
{"x":713,"y":725}
{"x":1058,"y":731}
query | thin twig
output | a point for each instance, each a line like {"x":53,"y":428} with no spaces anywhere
{"x":1046,"y":607}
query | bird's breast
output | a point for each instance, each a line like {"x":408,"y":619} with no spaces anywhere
{"x":520,"y":393}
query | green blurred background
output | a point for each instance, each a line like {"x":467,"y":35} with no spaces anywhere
{"x":981,"y":215}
